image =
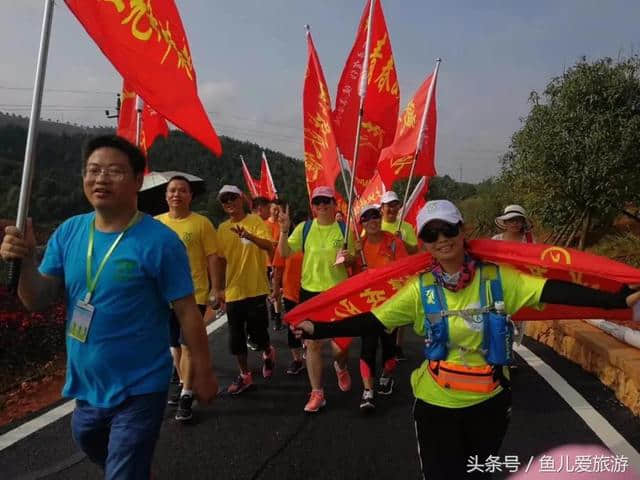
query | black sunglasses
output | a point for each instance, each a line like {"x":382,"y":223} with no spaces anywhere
{"x":321,"y":201}
{"x":228,"y":197}
{"x":431,"y":234}
{"x":370,"y":215}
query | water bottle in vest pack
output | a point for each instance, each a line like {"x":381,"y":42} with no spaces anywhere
{"x":498,"y":336}
{"x":437,"y":338}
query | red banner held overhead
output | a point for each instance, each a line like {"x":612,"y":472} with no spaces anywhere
{"x":266,"y":185}
{"x":252,"y":185}
{"x":395,"y":160}
{"x":146,"y":42}
{"x":382,"y":100}
{"x":371,"y":195}
{"x":372,"y":287}
{"x":320,"y":153}
{"x":152,"y":124}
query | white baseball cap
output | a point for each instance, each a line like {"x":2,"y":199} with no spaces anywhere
{"x":229,"y":189}
{"x":367,"y":208}
{"x":438,"y":210}
{"x":323,"y":192}
{"x":389,"y":196}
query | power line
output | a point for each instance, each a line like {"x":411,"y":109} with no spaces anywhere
{"x":59,"y":90}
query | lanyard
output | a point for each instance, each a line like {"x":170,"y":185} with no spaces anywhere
{"x":92,"y":282}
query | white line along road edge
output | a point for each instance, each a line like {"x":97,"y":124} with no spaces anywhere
{"x":596,"y":422}
{"x":41,"y":421}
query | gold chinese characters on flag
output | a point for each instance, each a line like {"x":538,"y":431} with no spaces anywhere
{"x":146,"y":42}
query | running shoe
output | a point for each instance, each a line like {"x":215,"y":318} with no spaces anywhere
{"x":184,"y":413}
{"x":400,"y":355}
{"x":316,"y":401}
{"x":175,"y":389}
{"x":367,"y":403}
{"x":295,"y":367}
{"x":251,"y":344}
{"x":385,"y":385}
{"x":269,"y":361}
{"x":240,"y":384}
{"x":344,"y":378}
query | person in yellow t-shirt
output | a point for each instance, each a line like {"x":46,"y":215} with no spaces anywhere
{"x":321,"y":247}
{"x":243,"y":240}
{"x":463,"y":402}
{"x":199,"y":237}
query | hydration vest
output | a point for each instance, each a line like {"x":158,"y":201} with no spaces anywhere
{"x":497,"y":336}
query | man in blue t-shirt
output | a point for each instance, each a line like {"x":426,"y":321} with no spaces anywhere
{"x":120,"y":270}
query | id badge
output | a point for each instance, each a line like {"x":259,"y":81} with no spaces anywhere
{"x":81,"y":321}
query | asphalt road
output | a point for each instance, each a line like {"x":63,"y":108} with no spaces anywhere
{"x":264,"y":433}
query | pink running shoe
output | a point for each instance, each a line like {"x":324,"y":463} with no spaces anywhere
{"x":316,"y":401}
{"x":344,"y":378}
{"x":269,"y":360}
{"x":240,"y":384}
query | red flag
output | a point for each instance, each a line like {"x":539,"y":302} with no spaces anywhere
{"x":395,"y":160}
{"x":149,"y":48}
{"x":252,"y":185}
{"x":416,"y":201}
{"x":382,"y":100}
{"x":267,"y":187}
{"x":320,"y":154}
{"x":372,"y":287}
{"x":371,"y":195}
{"x":152,"y":124}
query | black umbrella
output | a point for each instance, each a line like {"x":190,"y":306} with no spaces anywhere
{"x":151,"y":197}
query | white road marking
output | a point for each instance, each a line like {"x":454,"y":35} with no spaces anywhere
{"x":596,"y":422}
{"x":12,"y":436}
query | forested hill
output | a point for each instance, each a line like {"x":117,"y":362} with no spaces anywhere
{"x":57,"y":192}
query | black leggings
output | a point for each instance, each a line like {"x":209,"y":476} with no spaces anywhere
{"x":368,"y":352}
{"x":248,"y":316}
{"x":448,"y":437}
{"x":292,"y":341}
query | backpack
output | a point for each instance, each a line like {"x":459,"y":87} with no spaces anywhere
{"x":307,"y":228}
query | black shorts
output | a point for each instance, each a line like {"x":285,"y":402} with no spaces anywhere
{"x":248,"y":316}
{"x":175,"y":332}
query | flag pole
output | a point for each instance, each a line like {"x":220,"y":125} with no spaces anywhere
{"x":362,"y":91}
{"x":139,"y":107}
{"x":423,"y":123}
{"x":32,"y":135}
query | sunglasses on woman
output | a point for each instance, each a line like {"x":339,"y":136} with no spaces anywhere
{"x":228,"y":197}
{"x":431,"y":234}
{"x":321,"y":201}
{"x":371,"y":215}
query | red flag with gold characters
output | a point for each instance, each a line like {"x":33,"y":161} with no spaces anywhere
{"x":252,"y":185}
{"x":372,"y":287}
{"x":152,"y":124}
{"x":266,"y":185}
{"x":416,"y":201}
{"x":382,"y":100}
{"x":320,"y":153}
{"x":371,"y":195}
{"x":146,"y":42}
{"x":395,"y":160}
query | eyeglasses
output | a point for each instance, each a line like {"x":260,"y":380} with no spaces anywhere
{"x":370,"y":215}
{"x":431,"y":234}
{"x":228,"y":197}
{"x":114,"y":173}
{"x":321,"y":201}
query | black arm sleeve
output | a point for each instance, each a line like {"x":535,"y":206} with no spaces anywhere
{"x":356,"y":326}
{"x":566,"y":293}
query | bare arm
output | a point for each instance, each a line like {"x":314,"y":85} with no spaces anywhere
{"x":285,"y":225}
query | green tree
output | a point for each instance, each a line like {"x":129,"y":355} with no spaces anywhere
{"x":574,"y":161}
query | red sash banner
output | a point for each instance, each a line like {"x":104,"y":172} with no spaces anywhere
{"x":146,"y":42}
{"x":373,"y":287}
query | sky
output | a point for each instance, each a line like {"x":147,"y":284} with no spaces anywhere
{"x":250,"y":58}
